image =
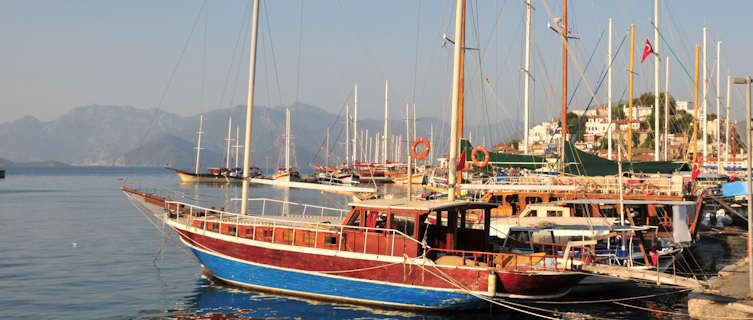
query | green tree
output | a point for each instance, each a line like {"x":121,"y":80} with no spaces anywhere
{"x":573,"y":122}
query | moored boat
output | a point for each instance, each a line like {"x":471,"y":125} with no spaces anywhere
{"x":371,"y":255}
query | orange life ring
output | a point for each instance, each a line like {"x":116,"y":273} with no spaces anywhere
{"x":591,"y":187}
{"x":647,"y":188}
{"x":415,"y":145}
{"x":475,"y":160}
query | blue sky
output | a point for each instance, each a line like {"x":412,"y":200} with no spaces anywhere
{"x":58,"y":55}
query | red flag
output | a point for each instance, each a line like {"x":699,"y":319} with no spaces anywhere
{"x":461,"y":161}
{"x":648,"y":49}
{"x":696,"y":170}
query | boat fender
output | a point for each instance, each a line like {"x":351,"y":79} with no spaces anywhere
{"x":591,"y":187}
{"x":422,"y":155}
{"x":491,"y":288}
{"x":475,"y":160}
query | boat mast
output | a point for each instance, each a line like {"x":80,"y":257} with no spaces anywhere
{"x":431,"y":140}
{"x":695,"y":109}
{"x":564,"y":84}
{"x":249,"y":107}
{"x":414,"y":122}
{"x":347,"y":134}
{"x":656,"y":80}
{"x":666,"y":112}
{"x":718,"y":114}
{"x":355,"y":124}
{"x":461,"y":90}
{"x":198,"y":143}
{"x":630,"y":101}
{"x":409,"y":173}
{"x":237,"y":145}
{"x":527,"y":75}
{"x":229,"y":132}
{"x":609,"y":94}
{"x":726,"y":126}
{"x":386,"y":118}
{"x":287,"y":139}
{"x":452,"y":173}
{"x":705,"y":98}
{"x":326,"y":152}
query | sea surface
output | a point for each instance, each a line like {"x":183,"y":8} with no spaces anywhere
{"x":72,"y":247}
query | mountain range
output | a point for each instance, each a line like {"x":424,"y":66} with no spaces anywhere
{"x":128,"y":136}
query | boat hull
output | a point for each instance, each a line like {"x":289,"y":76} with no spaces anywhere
{"x":188,"y":177}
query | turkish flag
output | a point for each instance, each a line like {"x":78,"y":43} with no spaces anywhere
{"x":648,"y":49}
{"x":461,"y":161}
{"x":696,"y":170}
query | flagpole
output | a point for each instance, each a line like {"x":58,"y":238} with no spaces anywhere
{"x":656,"y":81}
{"x":630,"y":101}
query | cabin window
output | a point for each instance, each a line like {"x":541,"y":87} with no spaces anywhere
{"x":496,"y":199}
{"x":232,"y":229}
{"x":403,"y":224}
{"x":356,"y":219}
{"x":530,"y":200}
{"x":267,"y":233}
{"x":287,"y":235}
{"x":249,"y":231}
{"x":215,"y":227}
{"x":553,"y":213}
{"x":308,"y":237}
{"x":330,"y":240}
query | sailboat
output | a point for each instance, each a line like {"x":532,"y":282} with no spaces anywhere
{"x":287,"y":173}
{"x":380,"y":252}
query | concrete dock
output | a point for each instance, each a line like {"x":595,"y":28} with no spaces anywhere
{"x":728,"y":296}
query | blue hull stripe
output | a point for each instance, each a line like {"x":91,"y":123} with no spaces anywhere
{"x":332,"y":288}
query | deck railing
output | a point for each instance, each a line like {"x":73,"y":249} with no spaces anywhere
{"x":542,"y":261}
{"x":375,"y":240}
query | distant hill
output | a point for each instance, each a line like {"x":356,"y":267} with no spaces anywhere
{"x":122,"y":135}
{"x":5,"y":163}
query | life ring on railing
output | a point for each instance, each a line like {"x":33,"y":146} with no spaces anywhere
{"x":591,"y":187}
{"x":647,"y":188}
{"x":415,"y":145}
{"x":475,"y":160}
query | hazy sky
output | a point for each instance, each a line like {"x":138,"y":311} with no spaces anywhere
{"x":57,"y":55}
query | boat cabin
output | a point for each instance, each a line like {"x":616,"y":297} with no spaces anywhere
{"x":440,"y":224}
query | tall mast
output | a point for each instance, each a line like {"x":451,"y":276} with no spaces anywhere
{"x":237,"y":145}
{"x":355,"y":125}
{"x":630,"y":100}
{"x":718,"y":114}
{"x":461,"y":97}
{"x":431,"y":140}
{"x":287,"y":139}
{"x":347,"y":134}
{"x":564,"y":83}
{"x":726,"y":126}
{"x":326,"y":151}
{"x":695,"y":108}
{"x":414,"y":122}
{"x":527,"y":75}
{"x":452,"y":173}
{"x":386,"y":118}
{"x":229,"y":132}
{"x":666,"y":112}
{"x":705,"y":98}
{"x":198,"y":142}
{"x":249,"y":107}
{"x":610,"y":128}
{"x":656,"y":80}
{"x":409,"y":172}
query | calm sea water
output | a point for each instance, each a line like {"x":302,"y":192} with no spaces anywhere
{"x":72,"y":247}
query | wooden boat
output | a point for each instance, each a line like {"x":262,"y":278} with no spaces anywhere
{"x":368,"y":255}
{"x":215,"y":175}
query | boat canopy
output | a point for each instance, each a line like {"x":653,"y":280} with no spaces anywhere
{"x":421,"y":205}
{"x":626,"y":201}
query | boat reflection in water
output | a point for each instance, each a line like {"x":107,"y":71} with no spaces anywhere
{"x":217,"y":301}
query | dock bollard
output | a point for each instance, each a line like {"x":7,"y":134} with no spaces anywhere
{"x":492,"y":284}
